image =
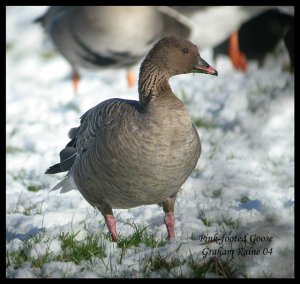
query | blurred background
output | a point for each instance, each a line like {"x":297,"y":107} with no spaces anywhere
{"x":61,"y":61}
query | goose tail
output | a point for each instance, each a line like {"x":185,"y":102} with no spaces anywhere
{"x":66,"y":184}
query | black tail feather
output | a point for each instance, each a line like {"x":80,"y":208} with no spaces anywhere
{"x":54,"y":169}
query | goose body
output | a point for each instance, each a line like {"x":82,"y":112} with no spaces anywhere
{"x":163,"y":145}
{"x":130,"y":153}
{"x":102,"y":37}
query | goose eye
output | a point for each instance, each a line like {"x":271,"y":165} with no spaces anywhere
{"x":185,"y":51}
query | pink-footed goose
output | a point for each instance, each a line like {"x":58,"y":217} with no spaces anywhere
{"x":128,"y":153}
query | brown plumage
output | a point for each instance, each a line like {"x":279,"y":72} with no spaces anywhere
{"x":129,"y":153}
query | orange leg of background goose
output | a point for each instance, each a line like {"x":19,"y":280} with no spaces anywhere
{"x":130,"y":78}
{"x":75,"y":80}
{"x":238,"y":59}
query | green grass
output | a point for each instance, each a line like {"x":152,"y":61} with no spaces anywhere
{"x":48,"y":54}
{"x":76,"y":251}
{"x":72,"y":250}
{"x":16,"y":258}
{"x":162,"y":264}
{"x":159,"y":262}
{"x":216,"y":193}
{"x":33,"y":188}
{"x":259,"y":91}
{"x":231,"y":156}
{"x":245,"y":199}
{"x":73,"y":106}
{"x":271,"y":217}
{"x":285,"y":251}
{"x":214,"y":265}
{"x":40,"y":261}
{"x":170,"y":266}
{"x":227,"y":221}
{"x":13,"y":149}
{"x":33,"y":209}
{"x":25,"y":178}
{"x":140,"y":235}
{"x":18,"y":176}
{"x":93,"y":247}
{"x":9,"y":46}
{"x":202,"y":123}
{"x":202,"y":216}
{"x":288,"y":68}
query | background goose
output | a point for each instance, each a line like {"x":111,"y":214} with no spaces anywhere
{"x":95,"y":37}
{"x":129,"y":153}
{"x":259,"y":36}
{"x":259,"y":27}
{"x":98,"y":37}
{"x":219,"y":21}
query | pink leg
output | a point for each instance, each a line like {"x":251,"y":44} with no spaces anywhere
{"x":111,"y":225}
{"x":170,"y":221}
{"x":168,"y":206}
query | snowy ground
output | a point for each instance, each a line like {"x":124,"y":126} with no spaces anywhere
{"x":243,"y":185}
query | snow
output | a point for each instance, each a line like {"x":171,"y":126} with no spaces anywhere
{"x":245,"y":173}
